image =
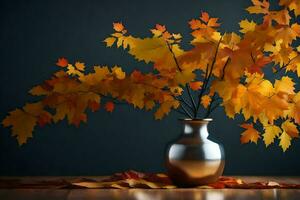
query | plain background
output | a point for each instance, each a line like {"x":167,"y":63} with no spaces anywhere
{"x":35,"y":33}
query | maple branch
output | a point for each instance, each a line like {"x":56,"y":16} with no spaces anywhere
{"x":185,"y":102}
{"x":213,"y":108}
{"x":207,"y":77}
{"x":174,"y":56}
{"x":183,"y":108}
{"x":186,"y":112}
{"x":223,"y":70}
{"x":287,"y":64}
{"x":186,"y":85}
{"x":252,"y":57}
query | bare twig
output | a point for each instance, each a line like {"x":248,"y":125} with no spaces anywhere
{"x":206,"y":80}
{"x":186,"y":85}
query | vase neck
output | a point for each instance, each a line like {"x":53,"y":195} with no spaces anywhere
{"x":196,"y":128}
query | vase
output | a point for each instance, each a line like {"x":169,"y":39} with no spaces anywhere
{"x":193,"y":159}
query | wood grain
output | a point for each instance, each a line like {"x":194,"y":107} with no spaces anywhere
{"x":153,"y":194}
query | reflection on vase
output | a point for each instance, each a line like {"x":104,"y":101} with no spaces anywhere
{"x":194,"y":159}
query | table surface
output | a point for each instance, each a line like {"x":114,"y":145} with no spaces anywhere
{"x":155,"y":194}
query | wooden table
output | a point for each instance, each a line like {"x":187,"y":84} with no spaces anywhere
{"x":153,"y":194}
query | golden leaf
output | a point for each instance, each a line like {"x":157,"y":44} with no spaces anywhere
{"x":271,"y":132}
{"x":250,"y":134}
{"x":285,"y":141}
{"x":22,"y":125}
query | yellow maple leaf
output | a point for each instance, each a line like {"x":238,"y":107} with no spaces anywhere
{"x":80,"y":66}
{"x":271,"y":132}
{"x":22,"y":124}
{"x":285,"y":85}
{"x":184,"y":77}
{"x":250,"y":134}
{"x":73,"y":71}
{"x":205,"y":100}
{"x":259,"y":7}
{"x":118,"y":72}
{"x":247,"y":26}
{"x":110,"y":41}
{"x":285,"y":141}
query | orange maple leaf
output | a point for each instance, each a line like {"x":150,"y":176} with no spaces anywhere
{"x":196,"y":85}
{"x":62,"y":62}
{"x":161,"y":28}
{"x":109,"y":106}
{"x":250,"y":134}
{"x":118,"y":26}
{"x":204,"y":17}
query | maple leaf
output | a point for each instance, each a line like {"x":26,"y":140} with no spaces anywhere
{"x":110,"y":41}
{"x":62,"y":62}
{"x":285,"y":141}
{"x":109,"y":106}
{"x":247,"y":26}
{"x":204,"y":16}
{"x":117,"y":26}
{"x":271,"y":132}
{"x":259,"y":7}
{"x":285,"y":85}
{"x":22,"y":124}
{"x":80,"y":66}
{"x":196,"y":85}
{"x":294,"y":110}
{"x":184,"y":77}
{"x":165,"y":108}
{"x":290,"y":128}
{"x":205,"y":100}
{"x":259,"y":64}
{"x":176,"y":90}
{"x":250,"y":134}
{"x":73,"y":71}
{"x":118,"y":72}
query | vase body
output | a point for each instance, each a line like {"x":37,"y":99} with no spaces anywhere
{"x":193,"y":159}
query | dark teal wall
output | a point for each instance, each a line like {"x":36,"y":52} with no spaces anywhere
{"x":35,"y":33}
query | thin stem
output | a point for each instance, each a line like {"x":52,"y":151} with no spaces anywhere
{"x":206,"y":80}
{"x":223,"y":70}
{"x":191,"y":96}
{"x":180,"y":70}
{"x":183,"y":108}
{"x":287,"y":64}
{"x":185,"y":102}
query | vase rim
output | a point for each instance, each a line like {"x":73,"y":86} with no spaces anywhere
{"x":196,"y":120}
